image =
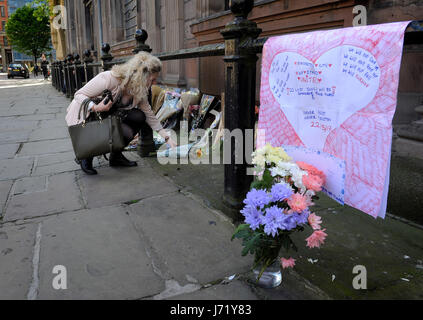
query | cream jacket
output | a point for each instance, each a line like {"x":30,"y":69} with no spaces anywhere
{"x":94,"y":88}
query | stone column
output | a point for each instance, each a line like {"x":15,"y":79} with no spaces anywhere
{"x":152,"y":24}
{"x":174,"y":41}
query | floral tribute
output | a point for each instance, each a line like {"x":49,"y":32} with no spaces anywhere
{"x":277,"y":205}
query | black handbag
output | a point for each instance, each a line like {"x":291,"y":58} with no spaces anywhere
{"x":97,"y":136}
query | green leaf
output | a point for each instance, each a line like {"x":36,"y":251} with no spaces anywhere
{"x":251,"y":245}
{"x":258,"y":184}
{"x":241,"y":231}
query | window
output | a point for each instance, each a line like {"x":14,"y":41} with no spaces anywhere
{"x":3,"y":25}
{"x":2,"y":11}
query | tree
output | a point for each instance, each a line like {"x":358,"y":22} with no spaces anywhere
{"x":42,"y":8}
{"x":29,"y":31}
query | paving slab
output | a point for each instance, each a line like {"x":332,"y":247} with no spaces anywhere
{"x":49,"y":133}
{"x":53,"y":123}
{"x":37,"y":117}
{"x":119,"y":184}
{"x":19,"y":125}
{"x":55,"y":163}
{"x":192,"y":240}
{"x":4,"y":193}
{"x":15,"y":168}
{"x":30,"y":185}
{"x":56,"y":168}
{"x":62,"y":194}
{"x":103,"y":255}
{"x":16,"y":252}
{"x":52,"y":109}
{"x":8,"y":151}
{"x":16,"y":111}
{"x":234,"y":290}
{"x":46,"y":160}
{"x":14,"y":136}
{"x":45,"y":147}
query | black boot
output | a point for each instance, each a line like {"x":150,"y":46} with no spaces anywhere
{"x":146,"y":141}
{"x":87,"y":166}
{"x":117,"y":159}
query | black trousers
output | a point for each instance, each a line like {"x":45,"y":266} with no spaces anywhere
{"x":134,"y":122}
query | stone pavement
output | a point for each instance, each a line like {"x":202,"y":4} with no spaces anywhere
{"x":127,"y":233}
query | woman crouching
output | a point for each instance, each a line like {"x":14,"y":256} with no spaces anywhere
{"x":130,"y":85}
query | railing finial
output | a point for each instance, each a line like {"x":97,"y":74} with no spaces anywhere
{"x":241,"y":8}
{"x":141,"y":36}
{"x":76,"y":57}
{"x":106,"y":56}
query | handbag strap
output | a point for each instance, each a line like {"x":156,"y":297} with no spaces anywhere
{"x":84,"y":108}
{"x":110,"y":135}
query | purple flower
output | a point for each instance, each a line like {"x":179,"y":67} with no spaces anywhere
{"x":302,"y":218}
{"x":294,"y":219}
{"x":281,"y":191}
{"x":274,"y":220}
{"x":257,"y":198}
{"x":253,"y":216}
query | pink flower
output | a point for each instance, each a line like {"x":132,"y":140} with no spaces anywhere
{"x":312,"y":182}
{"x":311,"y":170}
{"x":298,"y":202}
{"x":314,"y":221}
{"x":316,"y":239}
{"x":287,"y":263}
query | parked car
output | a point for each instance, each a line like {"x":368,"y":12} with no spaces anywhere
{"x":17,"y":70}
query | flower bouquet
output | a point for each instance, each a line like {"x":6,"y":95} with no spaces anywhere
{"x":278,"y":205}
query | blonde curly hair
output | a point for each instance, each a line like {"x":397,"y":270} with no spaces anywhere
{"x":133,"y":74}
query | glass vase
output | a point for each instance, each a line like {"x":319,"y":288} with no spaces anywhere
{"x":271,"y":276}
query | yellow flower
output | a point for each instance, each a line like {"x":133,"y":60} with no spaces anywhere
{"x":281,"y":154}
{"x":269,"y":155}
{"x":259,"y":160}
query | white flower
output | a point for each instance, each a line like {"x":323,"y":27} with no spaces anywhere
{"x":297,"y":178}
{"x":290,"y":169}
{"x":259,"y":160}
{"x":310,"y":193}
{"x":278,"y":171}
{"x":271,"y":155}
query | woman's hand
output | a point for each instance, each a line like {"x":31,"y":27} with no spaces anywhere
{"x":101,"y":107}
{"x":167,"y":138}
{"x":171,"y":143}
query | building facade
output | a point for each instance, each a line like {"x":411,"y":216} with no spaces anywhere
{"x":179,"y":24}
{"x":5,"y":49}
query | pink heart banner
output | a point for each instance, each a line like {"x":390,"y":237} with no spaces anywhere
{"x":335,"y":92}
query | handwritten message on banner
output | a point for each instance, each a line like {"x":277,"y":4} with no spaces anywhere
{"x":334,"y":92}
